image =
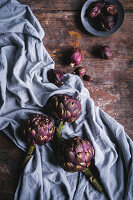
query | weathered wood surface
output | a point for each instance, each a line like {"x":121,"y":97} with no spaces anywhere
{"x":51,"y":5}
{"x":112,"y":84}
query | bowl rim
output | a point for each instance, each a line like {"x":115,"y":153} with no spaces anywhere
{"x":95,"y":32}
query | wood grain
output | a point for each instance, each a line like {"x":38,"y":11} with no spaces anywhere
{"x":49,"y":5}
{"x":112,"y":84}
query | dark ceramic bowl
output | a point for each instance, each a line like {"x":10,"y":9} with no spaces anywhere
{"x":90,"y":28}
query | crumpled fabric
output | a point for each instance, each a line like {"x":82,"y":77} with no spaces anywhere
{"x":25,"y":89}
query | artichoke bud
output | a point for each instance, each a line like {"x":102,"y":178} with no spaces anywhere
{"x":56,"y":77}
{"x":68,"y":108}
{"x":95,"y":9}
{"x":76,"y":57}
{"x":38,"y":129}
{"x":77,"y":157}
{"x":106,"y":52}
{"x":111,"y":9}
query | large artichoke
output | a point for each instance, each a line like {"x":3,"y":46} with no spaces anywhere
{"x":37,"y":129}
{"x":75,"y":154}
{"x":64,"y":107}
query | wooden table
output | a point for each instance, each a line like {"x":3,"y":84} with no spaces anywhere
{"x":112,"y":84}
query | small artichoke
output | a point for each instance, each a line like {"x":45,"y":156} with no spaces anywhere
{"x":75,"y":154}
{"x":95,"y":9}
{"x":106,"y":23}
{"x":76,"y":57}
{"x":111,"y":9}
{"x":64,"y":107}
{"x":37,"y":129}
{"x":56,"y":77}
{"x":105,"y":52}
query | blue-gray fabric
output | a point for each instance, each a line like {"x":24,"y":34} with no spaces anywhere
{"x":25,"y":89}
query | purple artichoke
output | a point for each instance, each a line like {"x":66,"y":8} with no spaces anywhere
{"x":37,"y":129}
{"x":111,"y":9}
{"x":105,"y":52}
{"x":75,"y":154}
{"x":75,"y":57}
{"x":64,"y":107}
{"x":56,"y":77}
{"x":106,"y":23}
{"x":94,"y":9}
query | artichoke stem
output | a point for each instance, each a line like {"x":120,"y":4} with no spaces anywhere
{"x":93,"y":180}
{"x":28,"y":155}
{"x":59,"y":133}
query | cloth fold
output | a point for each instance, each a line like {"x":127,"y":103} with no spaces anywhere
{"x":25,"y":89}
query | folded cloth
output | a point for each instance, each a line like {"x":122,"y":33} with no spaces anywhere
{"x":25,"y":89}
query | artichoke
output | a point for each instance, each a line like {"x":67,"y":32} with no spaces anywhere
{"x":95,"y":9}
{"x":64,"y":107}
{"x":75,"y":154}
{"x":76,"y":57}
{"x":37,"y":129}
{"x":56,"y":77}
{"x":105,"y":52}
{"x":111,"y":9}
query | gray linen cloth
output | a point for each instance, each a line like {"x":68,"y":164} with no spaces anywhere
{"x":25,"y":89}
